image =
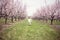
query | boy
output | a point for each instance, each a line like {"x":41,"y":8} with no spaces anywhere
{"x":29,"y":20}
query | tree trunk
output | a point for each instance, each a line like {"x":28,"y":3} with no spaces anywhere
{"x":12,"y":19}
{"x":6,"y":18}
{"x":18,"y":18}
{"x":52,"y":19}
{"x":15,"y":19}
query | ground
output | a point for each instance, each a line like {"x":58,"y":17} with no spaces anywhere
{"x":23,"y":31}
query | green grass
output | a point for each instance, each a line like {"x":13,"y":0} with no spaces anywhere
{"x":22,"y":31}
{"x":57,"y":22}
{"x":1,"y":21}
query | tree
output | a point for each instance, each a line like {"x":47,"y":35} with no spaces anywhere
{"x":11,"y":9}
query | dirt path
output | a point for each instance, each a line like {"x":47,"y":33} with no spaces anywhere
{"x":57,"y":28}
{"x":5,"y":26}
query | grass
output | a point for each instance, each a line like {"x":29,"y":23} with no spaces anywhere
{"x":2,"y":21}
{"x":22,"y":31}
{"x":57,"y":22}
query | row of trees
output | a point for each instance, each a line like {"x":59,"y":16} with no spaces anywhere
{"x":51,"y":12}
{"x":12,"y":9}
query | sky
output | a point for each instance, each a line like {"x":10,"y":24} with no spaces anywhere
{"x":33,"y":5}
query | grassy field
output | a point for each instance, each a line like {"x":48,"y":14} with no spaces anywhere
{"x":22,"y":31}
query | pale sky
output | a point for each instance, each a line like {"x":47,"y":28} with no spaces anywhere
{"x":33,"y":5}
